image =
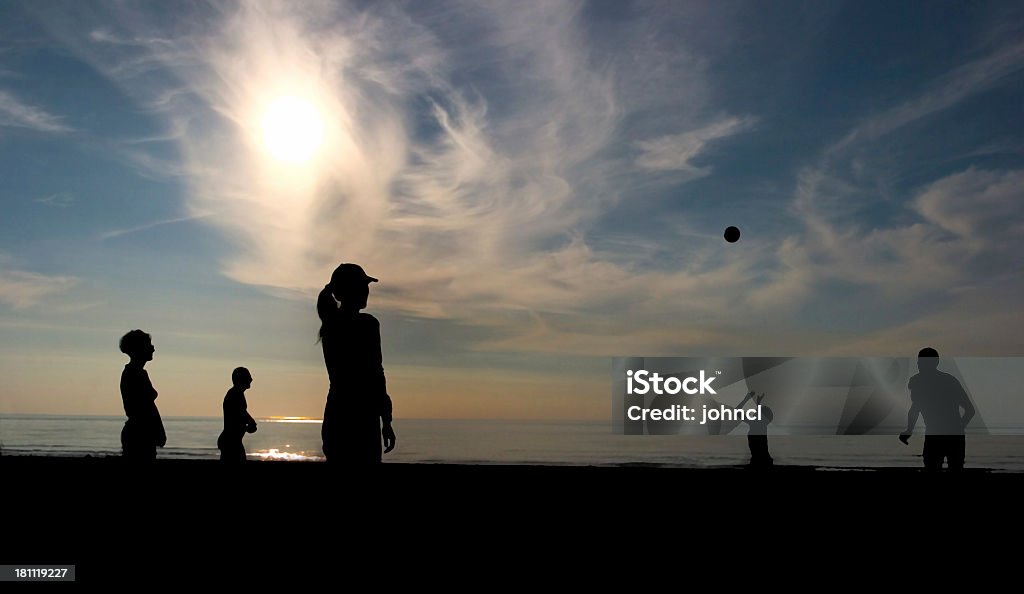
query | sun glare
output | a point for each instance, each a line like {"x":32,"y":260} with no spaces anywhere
{"x":292,"y":130}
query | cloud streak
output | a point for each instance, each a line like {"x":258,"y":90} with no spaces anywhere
{"x":22,"y":289}
{"x":120,"y":232}
{"x":967,"y":80}
{"x":16,"y":113}
{"x":675,"y":152}
{"x":58,"y":200}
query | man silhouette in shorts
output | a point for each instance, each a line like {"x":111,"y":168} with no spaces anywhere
{"x":938,"y":397}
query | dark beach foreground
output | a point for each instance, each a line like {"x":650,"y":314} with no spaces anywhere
{"x":176,"y":517}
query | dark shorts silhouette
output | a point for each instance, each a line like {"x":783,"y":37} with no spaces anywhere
{"x":231,"y":450}
{"x":350,"y":435}
{"x":137,"y":443}
{"x":759,"y":455}
{"x":944,"y":447}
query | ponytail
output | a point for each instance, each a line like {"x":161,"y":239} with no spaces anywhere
{"x":326,"y":308}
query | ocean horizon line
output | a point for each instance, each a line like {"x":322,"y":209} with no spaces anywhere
{"x":276,"y":418}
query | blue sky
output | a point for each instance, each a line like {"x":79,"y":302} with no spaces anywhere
{"x":539,"y":186}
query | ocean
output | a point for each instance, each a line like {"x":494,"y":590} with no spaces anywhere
{"x":495,"y":442}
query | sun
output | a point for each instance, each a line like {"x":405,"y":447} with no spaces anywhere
{"x":292,"y":129}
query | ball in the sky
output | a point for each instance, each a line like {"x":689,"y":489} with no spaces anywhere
{"x":732,"y":234}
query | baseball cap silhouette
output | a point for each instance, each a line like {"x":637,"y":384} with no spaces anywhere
{"x":349,"y":275}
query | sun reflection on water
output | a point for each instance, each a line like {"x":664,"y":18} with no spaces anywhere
{"x":275,"y":454}
{"x":291,"y":420}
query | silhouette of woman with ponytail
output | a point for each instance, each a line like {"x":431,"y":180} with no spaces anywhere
{"x":358,"y":411}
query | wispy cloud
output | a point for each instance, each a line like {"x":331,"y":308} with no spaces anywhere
{"x":14,"y":113}
{"x":21,"y":289}
{"x":105,"y":36}
{"x":59,"y":200}
{"x":921,"y":260}
{"x":966,"y":224}
{"x":145,"y":227}
{"x":18,"y":114}
{"x":964,"y":81}
{"x":675,"y":152}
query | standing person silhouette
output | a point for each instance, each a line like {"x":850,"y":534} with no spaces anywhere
{"x":757,"y":433}
{"x":358,"y":411}
{"x":143,"y":432}
{"x":938,"y":397}
{"x":237,"y":420}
